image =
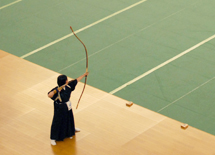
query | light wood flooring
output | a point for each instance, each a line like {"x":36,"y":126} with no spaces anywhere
{"x":108,"y":126}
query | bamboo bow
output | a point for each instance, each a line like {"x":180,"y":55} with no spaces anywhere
{"x":86,"y":65}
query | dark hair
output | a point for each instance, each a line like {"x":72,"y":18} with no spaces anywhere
{"x":61,"y":80}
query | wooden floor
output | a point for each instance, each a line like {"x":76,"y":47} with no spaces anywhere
{"x":108,"y":126}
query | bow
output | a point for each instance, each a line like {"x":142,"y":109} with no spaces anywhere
{"x":86,"y":65}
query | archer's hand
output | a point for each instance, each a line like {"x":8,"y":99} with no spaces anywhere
{"x":87,"y":73}
{"x":61,"y":87}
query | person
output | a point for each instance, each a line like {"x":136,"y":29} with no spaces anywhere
{"x":63,"y":125}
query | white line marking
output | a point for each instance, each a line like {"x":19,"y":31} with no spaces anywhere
{"x":9,"y":4}
{"x":161,"y":65}
{"x":93,"y":54}
{"x":186,"y":94}
{"x":122,"y":39}
{"x":84,"y":28}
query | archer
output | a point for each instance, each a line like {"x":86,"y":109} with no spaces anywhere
{"x":63,"y":124}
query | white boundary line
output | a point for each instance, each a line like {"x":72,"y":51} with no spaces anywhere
{"x":122,"y":39}
{"x":84,"y":28}
{"x":9,"y":4}
{"x":161,"y":65}
{"x":186,"y":94}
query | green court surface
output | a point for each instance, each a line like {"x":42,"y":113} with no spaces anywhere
{"x":158,"y":54}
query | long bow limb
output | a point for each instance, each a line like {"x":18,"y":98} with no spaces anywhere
{"x":86,"y":65}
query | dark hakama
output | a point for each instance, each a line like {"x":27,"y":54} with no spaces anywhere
{"x":63,"y":124}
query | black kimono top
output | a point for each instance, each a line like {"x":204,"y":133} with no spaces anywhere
{"x":66,"y":92}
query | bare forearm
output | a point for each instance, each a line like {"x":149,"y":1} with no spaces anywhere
{"x":82,"y":76}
